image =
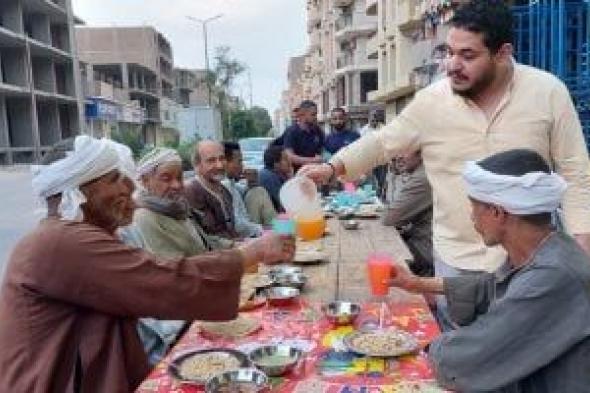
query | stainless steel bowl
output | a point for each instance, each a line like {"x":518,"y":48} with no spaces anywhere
{"x":275,"y":360}
{"x":284,"y":269}
{"x":250,"y":379}
{"x":342,"y":313}
{"x":281,"y":296}
{"x":294,"y":280}
{"x":351,"y":225}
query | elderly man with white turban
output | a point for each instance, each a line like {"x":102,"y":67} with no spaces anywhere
{"x":162,"y":225}
{"x":525,"y":328}
{"x":72,"y":292}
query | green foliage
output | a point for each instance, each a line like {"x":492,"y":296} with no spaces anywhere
{"x":185,"y":150}
{"x":130,"y":138}
{"x":249,"y":123}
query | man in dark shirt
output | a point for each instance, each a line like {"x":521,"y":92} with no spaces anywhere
{"x":304,"y":143}
{"x":277,"y":169}
{"x":341,"y":135}
{"x":280,"y":141}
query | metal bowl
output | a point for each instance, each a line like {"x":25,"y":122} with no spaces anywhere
{"x":295,"y":280}
{"x":230,"y":381}
{"x":346,"y":213}
{"x":275,"y":360}
{"x":351,"y":225}
{"x":342,"y":313}
{"x":284,"y":269}
{"x":281,"y":296}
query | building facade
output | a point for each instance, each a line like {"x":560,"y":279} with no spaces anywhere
{"x":138,"y":63}
{"x":341,"y":72}
{"x":40,"y":97}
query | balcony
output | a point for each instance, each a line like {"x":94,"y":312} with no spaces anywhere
{"x":371,"y":7}
{"x":343,"y":3}
{"x":313,"y":16}
{"x":315,"y":40}
{"x":409,"y":15}
{"x":348,"y":28}
{"x":373,"y":47}
{"x":346,"y":64}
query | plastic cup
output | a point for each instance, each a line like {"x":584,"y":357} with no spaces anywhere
{"x":284,"y":225}
{"x":349,"y":187}
{"x":380,"y":268}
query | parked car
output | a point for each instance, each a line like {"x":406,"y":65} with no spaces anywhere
{"x":253,"y":152}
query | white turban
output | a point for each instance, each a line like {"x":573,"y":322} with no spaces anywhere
{"x":532,"y":193}
{"x":90,"y":159}
{"x":156,"y":157}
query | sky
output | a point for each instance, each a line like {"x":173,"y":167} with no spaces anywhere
{"x":263,"y":34}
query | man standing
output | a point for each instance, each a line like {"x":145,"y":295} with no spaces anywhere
{"x":280,"y":141}
{"x":305,"y":141}
{"x":487,"y":103}
{"x":207,"y":195}
{"x":410,"y":211}
{"x":72,"y":291}
{"x":340,"y":136}
{"x":259,"y":199}
{"x":525,"y":328}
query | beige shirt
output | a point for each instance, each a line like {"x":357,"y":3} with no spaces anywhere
{"x":536,"y":113}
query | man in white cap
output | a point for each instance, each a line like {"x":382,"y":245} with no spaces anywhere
{"x":162,"y":225}
{"x":72,"y":291}
{"x":525,"y":328}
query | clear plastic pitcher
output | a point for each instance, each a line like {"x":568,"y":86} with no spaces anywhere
{"x":301,"y":200}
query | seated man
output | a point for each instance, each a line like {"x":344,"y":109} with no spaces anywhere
{"x":72,"y":291}
{"x":246,"y":226}
{"x":205,"y":193}
{"x":525,"y":328}
{"x":410,"y":211}
{"x":162,"y":226}
{"x":277,"y":170}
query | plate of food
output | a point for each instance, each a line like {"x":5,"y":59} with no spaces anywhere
{"x":381,"y":343}
{"x":242,"y":326}
{"x":197,"y":367}
{"x":308,"y":254}
{"x":367,"y":211}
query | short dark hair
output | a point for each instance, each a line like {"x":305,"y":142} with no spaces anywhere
{"x":339,"y":109}
{"x":492,"y":18}
{"x":229,"y":149}
{"x":519,"y":162}
{"x":272,"y":155}
{"x":307,"y":104}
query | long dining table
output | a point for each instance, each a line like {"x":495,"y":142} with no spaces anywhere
{"x":327,"y":365}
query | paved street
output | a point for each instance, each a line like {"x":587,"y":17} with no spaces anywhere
{"x":16,"y":209}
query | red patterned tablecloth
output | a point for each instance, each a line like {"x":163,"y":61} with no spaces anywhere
{"x":326,"y":367}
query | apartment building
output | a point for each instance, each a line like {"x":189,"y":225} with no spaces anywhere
{"x":40,"y":100}
{"x":196,"y":118}
{"x":341,"y":72}
{"x":408,"y":48}
{"x":138,"y":63}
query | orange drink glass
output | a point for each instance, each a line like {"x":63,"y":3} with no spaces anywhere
{"x":380,"y":269}
{"x":311,"y":228}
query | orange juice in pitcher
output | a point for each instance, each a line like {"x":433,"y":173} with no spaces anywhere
{"x":312,"y":228}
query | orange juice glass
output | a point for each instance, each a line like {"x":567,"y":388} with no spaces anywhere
{"x":380,"y":269}
{"x":311,"y":228}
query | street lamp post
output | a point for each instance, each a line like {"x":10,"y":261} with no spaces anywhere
{"x":204,"y":23}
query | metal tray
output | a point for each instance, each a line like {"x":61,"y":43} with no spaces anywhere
{"x":176,"y":363}
{"x":408,"y":344}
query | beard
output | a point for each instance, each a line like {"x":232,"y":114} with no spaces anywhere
{"x":478,"y":85}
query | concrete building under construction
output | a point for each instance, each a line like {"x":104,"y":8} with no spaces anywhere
{"x":40,"y":100}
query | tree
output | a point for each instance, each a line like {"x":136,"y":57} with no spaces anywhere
{"x":249,"y":123}
{"x":262,"y":120}
{"x":223,"y":77}
{"x":130,"y":138}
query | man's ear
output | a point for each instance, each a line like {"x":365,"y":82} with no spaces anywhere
{"x":505,"y":52}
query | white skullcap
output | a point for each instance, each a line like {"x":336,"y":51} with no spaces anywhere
{"x":90,"y":159}
{"x":156,"y":157}
{"x":532,"y":193}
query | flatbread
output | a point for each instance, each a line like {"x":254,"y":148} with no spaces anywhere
{"x":240,"y":327}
